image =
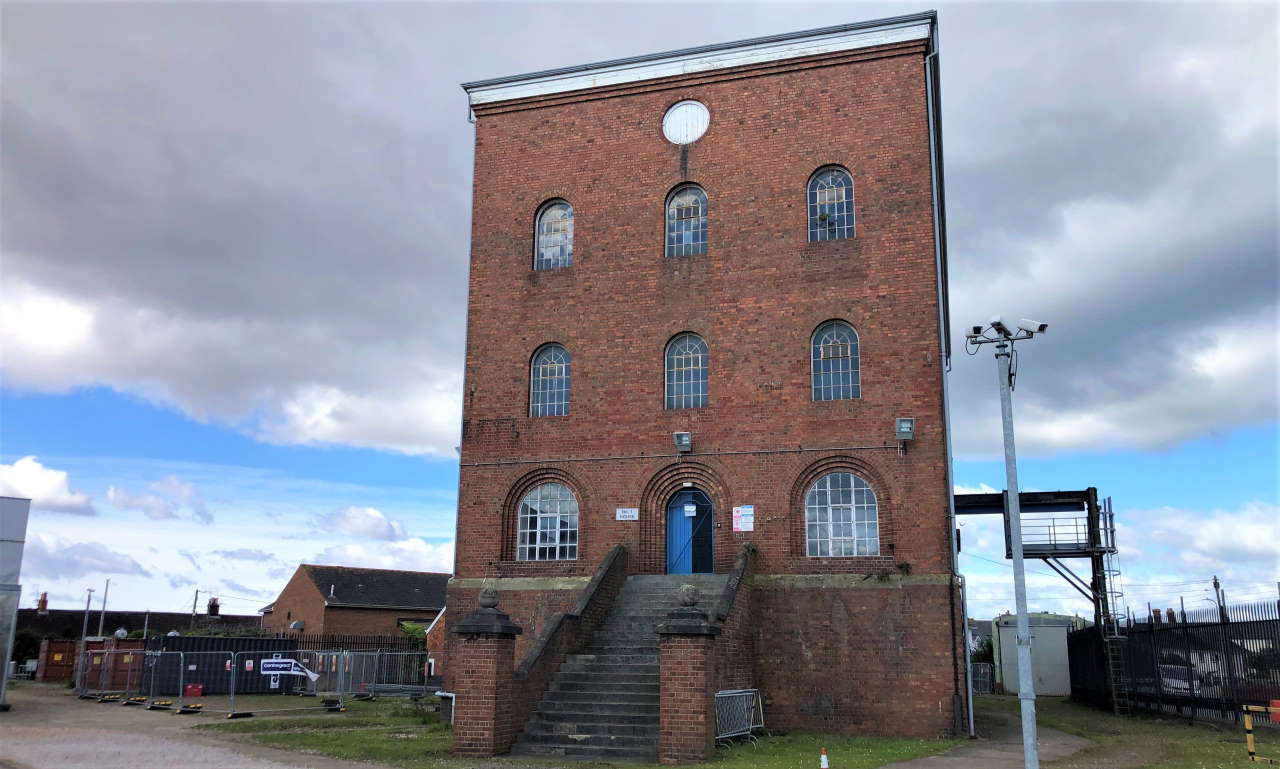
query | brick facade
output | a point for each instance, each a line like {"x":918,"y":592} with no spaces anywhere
{"x":875,"y":654}
{"x":301,"y":599}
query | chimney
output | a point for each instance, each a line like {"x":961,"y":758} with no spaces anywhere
{"x":42,"y":605}
{"x":1170,"y":616}
{"x":1155,"y":616}
{"x":213,"y":607}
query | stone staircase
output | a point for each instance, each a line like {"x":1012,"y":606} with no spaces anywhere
{"x":603,"y":704}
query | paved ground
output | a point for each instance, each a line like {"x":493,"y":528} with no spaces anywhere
{"x":998,"y":746}
{"x":48,"y":728}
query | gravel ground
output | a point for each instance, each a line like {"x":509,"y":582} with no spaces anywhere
{"x":48,"y":728}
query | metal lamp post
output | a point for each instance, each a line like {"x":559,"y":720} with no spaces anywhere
{"x":1003,"y":338}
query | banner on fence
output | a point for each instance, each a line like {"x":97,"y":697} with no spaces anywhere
{"x":285,"y":667}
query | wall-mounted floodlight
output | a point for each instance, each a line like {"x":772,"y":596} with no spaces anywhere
{"x":683,"y":441}
{"x":905,"y":428}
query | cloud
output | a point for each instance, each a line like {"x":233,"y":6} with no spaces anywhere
{"x":171,"y":494}
{"x":172,"y":229}
{"x":47,"y":488}
{"x":981,"y":488}
{"x":245,"y":590}
{"x":410,"y":554}
{"x":245,"y":554}
{"x":177,"y":583}
{"x":54,"y":557}
{"x":1248,"y":536}
{"x":155,"y":508}
{"x":362,"y":522}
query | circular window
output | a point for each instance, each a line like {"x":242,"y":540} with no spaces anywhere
{"x":686,"y":122}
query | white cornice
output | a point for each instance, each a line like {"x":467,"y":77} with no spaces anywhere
{"x":707,"y":59}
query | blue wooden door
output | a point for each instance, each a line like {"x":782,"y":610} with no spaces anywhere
{"x":689,"y":537}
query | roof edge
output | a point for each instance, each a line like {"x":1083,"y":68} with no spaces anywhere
{"x":634,"y":68}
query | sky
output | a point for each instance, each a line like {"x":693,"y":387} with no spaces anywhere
{"x":234,"y":244}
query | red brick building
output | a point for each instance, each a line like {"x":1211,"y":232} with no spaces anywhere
{"x":344,"y":600}
{"x":705,"y":286}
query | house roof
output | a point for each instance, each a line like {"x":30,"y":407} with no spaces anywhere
{"x":345,"y":586}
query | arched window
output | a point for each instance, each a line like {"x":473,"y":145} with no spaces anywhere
{"x":687,"y":221}
{"x":830,"y":205}
{"x":549,"y":382}
{"x":555,"y":236}
{"x":840,"y":517}
{"x":686,"y":372}
{"x":835,"y":362}
{"x":548,"y":524}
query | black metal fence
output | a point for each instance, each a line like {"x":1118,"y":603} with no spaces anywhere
{"x":1202,"y":664}
{"x":388,"y":643}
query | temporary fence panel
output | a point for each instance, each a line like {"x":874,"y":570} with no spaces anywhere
{"x":739,"y":712}
{"x":983,"y":678}
{"x":403,"y":674}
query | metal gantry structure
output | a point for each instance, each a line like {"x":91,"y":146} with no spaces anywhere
{"x":1063,"y":525}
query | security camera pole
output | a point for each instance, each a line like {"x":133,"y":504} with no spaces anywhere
{"x":1003,"y":338}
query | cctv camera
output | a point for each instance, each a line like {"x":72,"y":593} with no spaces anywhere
{"x":999,"y":326}
{"x":1033,"y":326}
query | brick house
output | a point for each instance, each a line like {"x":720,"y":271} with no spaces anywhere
{"x":706,"y":286}
{"x":348,"y":601}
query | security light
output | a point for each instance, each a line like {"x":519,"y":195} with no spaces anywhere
{"x":905,"y":427}
{"x":683,"y":441}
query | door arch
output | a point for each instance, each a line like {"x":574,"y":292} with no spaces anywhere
{"x":690,"y":532}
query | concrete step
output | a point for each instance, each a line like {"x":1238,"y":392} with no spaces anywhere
{"x":587,"y":716}
{"x":586,"y":752}
{"x":601,"y":687}
{"x":609,"y":667}
{"x":615,"y":659}
{"x":595,"y":696}
{"x":607,"y":678}
{"x":604,"y":740}
{"x":611,"y":708}
{"x":539,"y":726}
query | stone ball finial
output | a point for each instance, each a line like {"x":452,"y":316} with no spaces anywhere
{"x":688,"y":596}
{"x":488,"y":597}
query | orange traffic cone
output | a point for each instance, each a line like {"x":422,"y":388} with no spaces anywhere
{"x":822,"y":760}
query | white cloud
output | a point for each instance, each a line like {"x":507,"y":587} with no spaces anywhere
{"x":362,"y":522}
{"x":154,"y":507}
{"x":981,"y":488}
{"x":58,"y":558}
{"x":47,"y":488}
{"x":410,"y":554}
{"x":1217,"y":539}
{"x":171,"y":494}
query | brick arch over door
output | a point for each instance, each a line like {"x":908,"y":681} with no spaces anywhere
{"x":885,"y":516}
{"x":653,"y":512}
{"x":511,"y":515}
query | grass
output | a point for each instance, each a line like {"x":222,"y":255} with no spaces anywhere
{"x":398,"y":735}
{"x":1140,"y":741}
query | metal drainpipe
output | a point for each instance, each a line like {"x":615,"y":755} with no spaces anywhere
{"x":930,"y":93}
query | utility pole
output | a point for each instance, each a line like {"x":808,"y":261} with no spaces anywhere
{"x":146,"y":622}
{"x":83,"y":646}
{"x":1003,"y":338}
{"x":102,"y":615}
{"x":194,"y":600}
{"x":84,"y":629}
{"x":1220,"y":597}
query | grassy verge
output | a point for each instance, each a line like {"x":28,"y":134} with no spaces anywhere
{"x":397,"y":735}
{"x":1139,"y":741}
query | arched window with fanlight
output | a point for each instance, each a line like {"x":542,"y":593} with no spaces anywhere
{"x":841,"y":517}
{"x":687,"y":221}
{"x":548,"y":526}
{"x":835,"y":362}
{"x":686,"y":372}
{"x":549,"y":382}
{"x":554,"y":230}
{"x":830,"y":204}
